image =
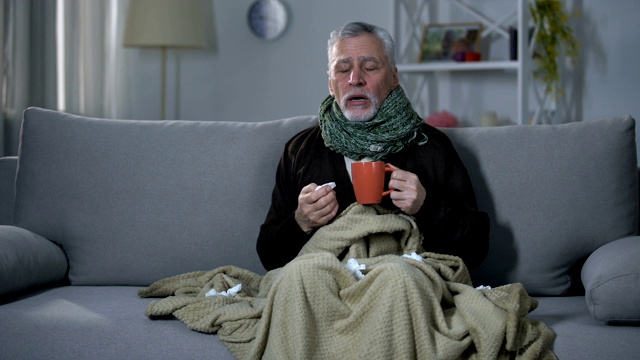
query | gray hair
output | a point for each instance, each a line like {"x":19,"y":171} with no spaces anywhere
{"x":354,"y":29}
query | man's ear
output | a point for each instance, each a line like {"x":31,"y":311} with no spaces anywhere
{"x":396,"y":80}
{"x":330,"y":88}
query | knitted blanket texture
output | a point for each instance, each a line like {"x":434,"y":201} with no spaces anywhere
{"x":314,"y":307}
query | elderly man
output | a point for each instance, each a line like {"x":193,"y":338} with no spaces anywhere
{"x":355,"y":281}
{"x":368,"y":117}
{"x":351,"y":280}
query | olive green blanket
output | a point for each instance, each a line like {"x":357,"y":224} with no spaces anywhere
{"x":317,"y":308}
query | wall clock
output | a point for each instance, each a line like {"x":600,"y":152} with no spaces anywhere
{"x":267,"y":18}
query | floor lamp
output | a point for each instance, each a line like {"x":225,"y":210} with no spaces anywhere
{"x":165,"y":24}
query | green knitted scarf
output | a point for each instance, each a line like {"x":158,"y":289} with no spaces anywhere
{"x":394,"y":126}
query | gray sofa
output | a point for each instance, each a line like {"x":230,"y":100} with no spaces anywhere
{"x":93,"y":209}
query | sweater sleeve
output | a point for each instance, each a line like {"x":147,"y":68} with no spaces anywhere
{"x":281,"y":238}
{"x":451,"y":221}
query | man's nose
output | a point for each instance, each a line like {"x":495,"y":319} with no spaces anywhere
{"x":356,"y":78}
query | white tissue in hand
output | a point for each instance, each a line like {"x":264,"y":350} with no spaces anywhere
{"x":330,"y":184}
{"x":229,"y":293}
{"x":414,"y":256}
{"x":355,"y":268}
{"x":483,"y":287}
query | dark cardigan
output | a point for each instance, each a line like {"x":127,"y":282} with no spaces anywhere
{"x":449,"y":218}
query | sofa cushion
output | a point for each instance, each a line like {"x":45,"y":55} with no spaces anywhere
{"x":28,"y":260}
{"x":132,"y":202}
{"x":8,"y":167}
{"x":580,"y":336}
{"x":554,"y":193}
{"x":97,"y":322}
{"x":611,"y":277}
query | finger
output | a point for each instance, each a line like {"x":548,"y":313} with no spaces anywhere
{"x":321,"y":216}
{"x":402,"y":185}
{"x":400,"y":174}
{"x":328,"y":212}
{"x":326,"y":201}
{"x":403,"y":195}
{"x":319,"y":198}
{"x":310,"y":196}
{"x":309,"y":188}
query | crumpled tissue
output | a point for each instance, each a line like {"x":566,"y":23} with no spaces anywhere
{"x":355,"y":268}
{"x":229,"y":293}
{"x":332,"y":185}
{"x":483,"y":287}
{"x":414,"y":256}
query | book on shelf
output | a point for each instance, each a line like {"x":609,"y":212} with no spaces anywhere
{"x":513,"y":42}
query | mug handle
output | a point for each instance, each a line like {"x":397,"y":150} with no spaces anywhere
{"x":388,"y":169}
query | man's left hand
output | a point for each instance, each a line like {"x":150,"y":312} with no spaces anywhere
{"x":410,"y":194}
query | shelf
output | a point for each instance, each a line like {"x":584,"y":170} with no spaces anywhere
{"x":458,"y":66}
{"x":428,"y":92}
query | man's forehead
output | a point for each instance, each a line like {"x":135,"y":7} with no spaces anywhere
{"x":363,"y":58}
{"x":365,"y":47}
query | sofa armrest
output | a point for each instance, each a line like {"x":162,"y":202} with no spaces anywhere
{"x":611,"y":277}
{"x":27,"y":260}
{"x":8,"y":168}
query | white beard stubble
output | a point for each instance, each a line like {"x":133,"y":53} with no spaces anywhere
{"x":354,"y":114}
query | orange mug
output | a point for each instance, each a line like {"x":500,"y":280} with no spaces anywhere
{"x":368,"y":181}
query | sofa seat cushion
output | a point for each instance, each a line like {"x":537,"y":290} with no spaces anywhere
{"x":554,"y":194}
{"x":611,"y":277}
{"x":59,"y":323}
{"x":582,"y":337}
{"x":86,"y":322}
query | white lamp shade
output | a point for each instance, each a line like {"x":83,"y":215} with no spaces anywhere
{"x":166,"y":23}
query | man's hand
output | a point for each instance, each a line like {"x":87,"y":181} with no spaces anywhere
{"x":410,"y":194}
{"x":315,"y":208}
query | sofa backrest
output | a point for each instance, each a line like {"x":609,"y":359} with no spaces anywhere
{"x":132,"y":202}
{"x":135,"y":201}
{"x":554,"y":193}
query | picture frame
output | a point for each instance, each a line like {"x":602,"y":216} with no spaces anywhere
{"x":449,"y":42}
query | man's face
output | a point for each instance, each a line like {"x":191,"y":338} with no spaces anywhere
{"x":360,"y":76}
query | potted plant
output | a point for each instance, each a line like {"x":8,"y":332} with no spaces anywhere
{"x":554,"y":38}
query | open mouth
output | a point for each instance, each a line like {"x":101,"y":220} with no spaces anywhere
{"x":358,"y":99}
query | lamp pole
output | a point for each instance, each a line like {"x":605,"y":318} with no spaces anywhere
{"x":163,"y":101}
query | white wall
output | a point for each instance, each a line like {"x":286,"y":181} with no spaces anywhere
{"x":611,"y":53}
{"x":247,"y":79}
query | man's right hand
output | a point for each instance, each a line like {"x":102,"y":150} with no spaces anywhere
{"x":315,"y":208}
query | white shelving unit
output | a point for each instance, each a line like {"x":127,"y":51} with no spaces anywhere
{"x":409,"y":19}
